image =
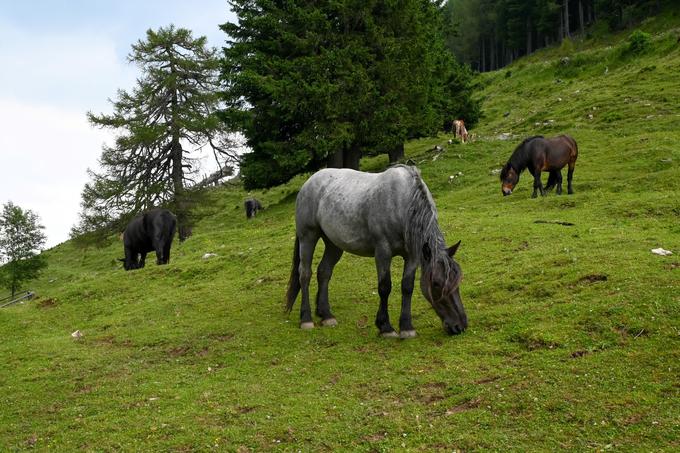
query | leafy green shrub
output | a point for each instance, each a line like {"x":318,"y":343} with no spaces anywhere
{"x":638,"y":42}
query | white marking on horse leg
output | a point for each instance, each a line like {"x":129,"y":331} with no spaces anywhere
{"x":404,"y":334}
{"x":392,"y":334}
{"x":330,"y":322}
{"x":306,"y":325}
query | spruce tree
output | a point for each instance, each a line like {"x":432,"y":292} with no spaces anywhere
{"x":323,"y":83}
{"x":160,"y":123}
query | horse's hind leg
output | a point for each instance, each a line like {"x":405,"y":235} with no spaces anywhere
{"x":537,"y":184}
{"x":570,"y":175}
{"x":307,"y":246}
{"x":383,"y":261}
{"x":331,"y":256}
{"x":559,"y":182}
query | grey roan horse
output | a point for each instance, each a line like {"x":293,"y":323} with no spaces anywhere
{"x":381,"y":215}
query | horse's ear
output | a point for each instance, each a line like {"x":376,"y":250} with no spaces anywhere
{"x":453,"y":249}
{"x":427,"y":253}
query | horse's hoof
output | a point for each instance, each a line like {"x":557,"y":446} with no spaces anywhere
{"x":306,"y":325}
{"x":404,"y":334}
{"x":392,"y":334}
{"x":330,"y":322}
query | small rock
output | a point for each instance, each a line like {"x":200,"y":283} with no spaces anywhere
{"x":77,"y":334}
{"x":209,"y":255}
{"x":661,"y":252}
{"x":495,"y":171}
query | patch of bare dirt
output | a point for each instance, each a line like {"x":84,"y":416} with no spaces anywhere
{"x":592,"y":278}
{"x":467,"y":405}
{"x":47,"y":303}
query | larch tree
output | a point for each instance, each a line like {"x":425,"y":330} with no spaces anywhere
{"x":160,"y":125}
{"x":21,"y":239}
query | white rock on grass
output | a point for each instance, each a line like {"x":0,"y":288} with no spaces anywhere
{"x":662,"y":252}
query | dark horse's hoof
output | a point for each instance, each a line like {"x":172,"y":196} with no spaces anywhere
{"x":306,"y":325}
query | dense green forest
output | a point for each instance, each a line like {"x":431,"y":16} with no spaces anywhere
{"x":490,"y":34}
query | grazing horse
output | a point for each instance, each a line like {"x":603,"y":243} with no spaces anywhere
{"x":251,"y":206}
{"x":151,"y":231}
{"x":375,"y":215}
{"x":459,"y":130}
{"x":539,"y":154}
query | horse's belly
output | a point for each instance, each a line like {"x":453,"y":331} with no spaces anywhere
{"x":348,"y":237}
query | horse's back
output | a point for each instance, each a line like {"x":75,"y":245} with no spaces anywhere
{"x":355,"y":209}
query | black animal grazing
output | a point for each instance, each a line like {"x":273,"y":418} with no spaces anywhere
{"x":151,"y":231}
{"x":539,"y":154}
{"x":252,"y":206}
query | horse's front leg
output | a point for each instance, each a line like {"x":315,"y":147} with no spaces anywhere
{"x":406,"y":329}
{"x":383,"y":261}
{"x":142,"y":260}
{"x":537,"y":184}
{"x":331,"y":256}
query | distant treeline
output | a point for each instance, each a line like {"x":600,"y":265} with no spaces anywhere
{"x":490,"y":34}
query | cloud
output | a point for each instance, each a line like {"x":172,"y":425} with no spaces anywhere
{"x":44,"y":162}
{"x":77,"y":69}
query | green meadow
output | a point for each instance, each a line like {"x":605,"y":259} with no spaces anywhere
{"x":574,"y":325}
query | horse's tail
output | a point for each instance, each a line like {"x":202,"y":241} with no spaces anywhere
{"x":294,"y":282}
{"x":552,"y":180}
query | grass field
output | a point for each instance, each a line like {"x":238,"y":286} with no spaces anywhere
{"x":574,"y":330}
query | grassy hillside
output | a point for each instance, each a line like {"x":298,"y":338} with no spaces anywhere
{"x":574,"y":337}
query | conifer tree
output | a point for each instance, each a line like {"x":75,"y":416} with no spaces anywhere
{"x":323,"y":83}
{"x":160,"y":123}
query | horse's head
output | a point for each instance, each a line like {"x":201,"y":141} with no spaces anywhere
{"x":440,"y":281}
{"x":509,"y":178}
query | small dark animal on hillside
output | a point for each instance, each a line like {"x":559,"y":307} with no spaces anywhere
{"x":538,"y":154}
{"x":459,"y":130}
{"x":150,"y":231}
{"x":379,"y":215}
{"x":252,"y":206}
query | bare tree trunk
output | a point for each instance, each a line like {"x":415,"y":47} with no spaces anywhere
{"x":492,"y":48}
{"x":351,"y":157}
{"x":580,"y":17}
{"x":560,"y":33}
{"x":482,"y":66}
{"x":566,"y":19}
{"x":529,"y":42}
{"x":335,"y":160}
{"x":396,"y":153}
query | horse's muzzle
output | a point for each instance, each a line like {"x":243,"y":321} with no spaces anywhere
{"x":506,"y":193}
{"x":454,"y":330}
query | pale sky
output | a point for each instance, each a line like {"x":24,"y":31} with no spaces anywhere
{"x":59,"y":59}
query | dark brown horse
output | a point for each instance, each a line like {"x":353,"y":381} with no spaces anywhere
{"x":538,"y":154}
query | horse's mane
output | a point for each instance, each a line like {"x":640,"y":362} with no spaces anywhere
{"x":422,"y":225}
{"x":519,"y":158}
